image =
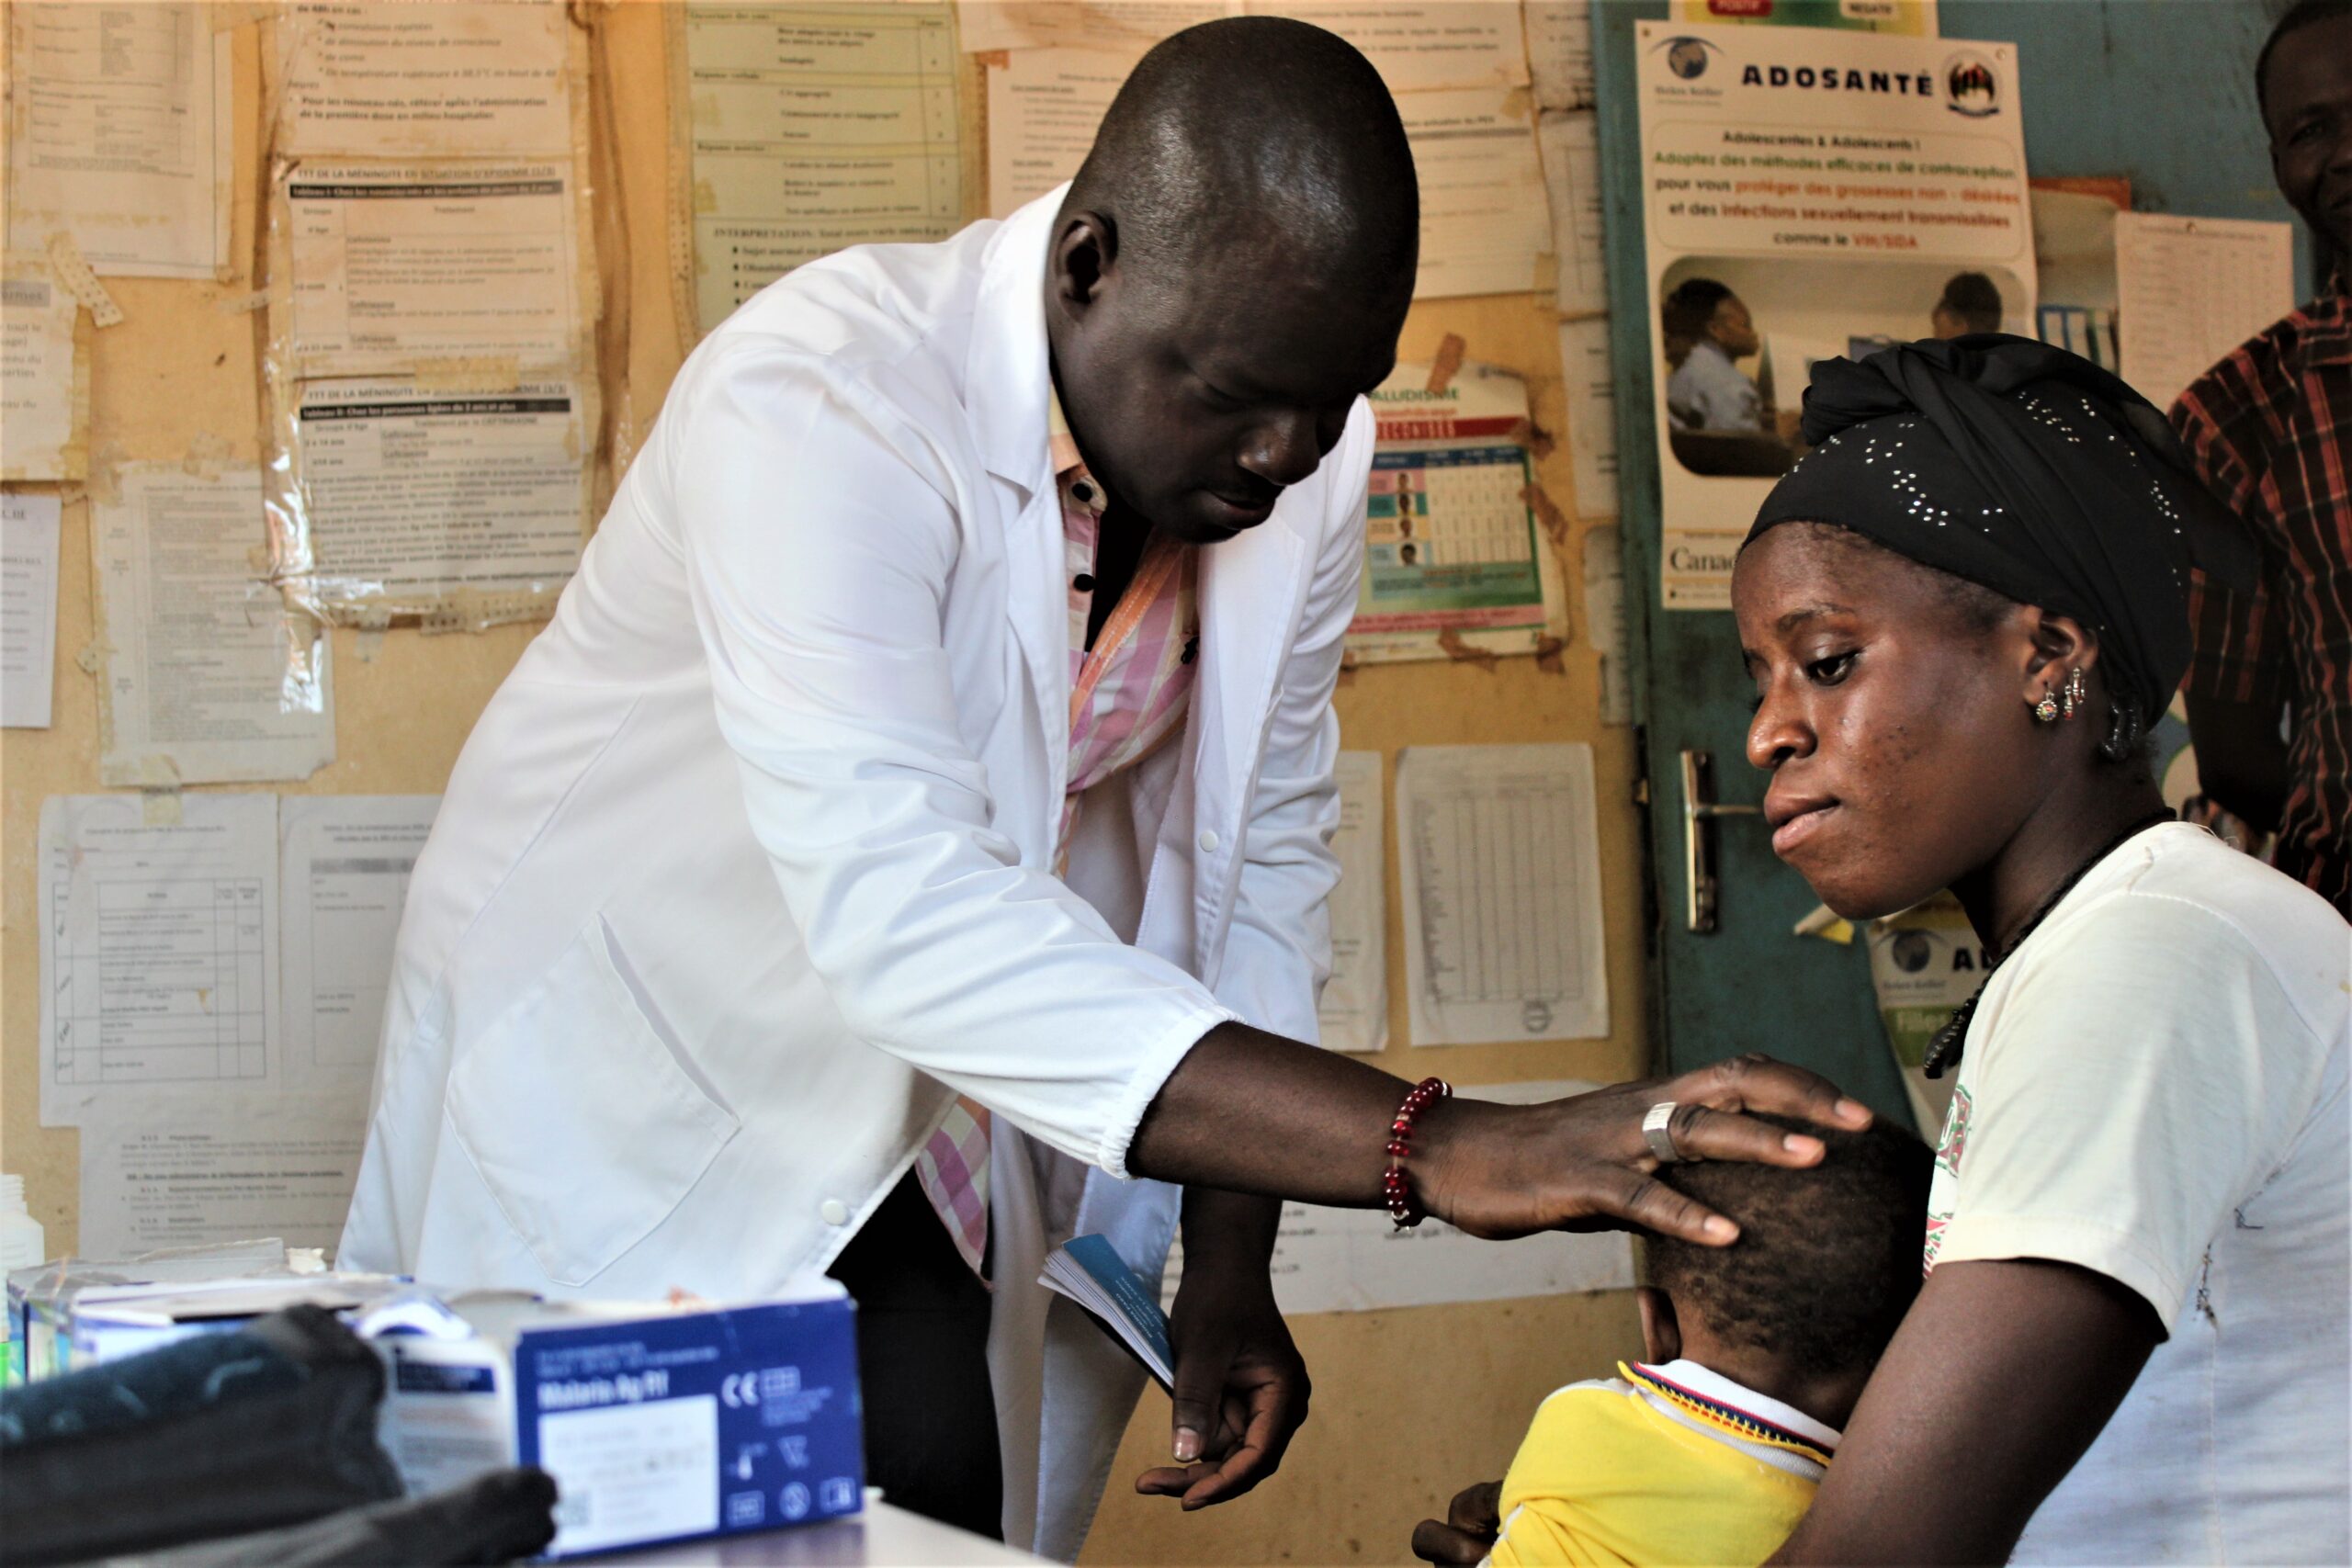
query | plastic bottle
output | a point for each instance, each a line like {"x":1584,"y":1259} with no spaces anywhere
{"x":21,"y":1247}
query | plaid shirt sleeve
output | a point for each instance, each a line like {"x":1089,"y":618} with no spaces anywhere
{"x":2240,"y":655}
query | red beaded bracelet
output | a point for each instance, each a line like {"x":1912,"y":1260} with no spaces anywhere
{"x":1396,"y":1189}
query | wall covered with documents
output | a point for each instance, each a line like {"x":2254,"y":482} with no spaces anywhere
{"x":316,"y":388}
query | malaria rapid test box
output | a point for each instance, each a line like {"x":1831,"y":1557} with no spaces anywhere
{"x":658,"y":1423}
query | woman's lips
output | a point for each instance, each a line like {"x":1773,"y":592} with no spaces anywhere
{"x":1796,"y":829}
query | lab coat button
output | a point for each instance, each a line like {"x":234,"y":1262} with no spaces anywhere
{"x":1208,"y":843}
{"x":833,"y":1212}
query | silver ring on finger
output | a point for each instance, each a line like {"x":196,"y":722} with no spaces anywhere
{"x":1658,"y":1131}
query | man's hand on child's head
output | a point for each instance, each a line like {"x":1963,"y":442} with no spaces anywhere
{"x":1468,"y":1530}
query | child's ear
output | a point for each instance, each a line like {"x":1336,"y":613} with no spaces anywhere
{"x":1661,"y":1335}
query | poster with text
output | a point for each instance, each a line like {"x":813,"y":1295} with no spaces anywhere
{"x":1809,"y":194}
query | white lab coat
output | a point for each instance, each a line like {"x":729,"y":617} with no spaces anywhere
{"x":745,"y":871}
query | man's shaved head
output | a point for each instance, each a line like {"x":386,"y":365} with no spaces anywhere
{"x":1257,"y":135}
{"x":1229,"y":271}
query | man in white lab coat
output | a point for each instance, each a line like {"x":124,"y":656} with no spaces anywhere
{"x":928,"y":777}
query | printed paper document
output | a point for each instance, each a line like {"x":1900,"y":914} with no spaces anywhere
{"x":1571,"y":150}
{"x":1591,"y":384}
{"x":2192,"y":289}
{"x":208,"y":678}
{"x":1503,"y":893}
{"x":43,"y":404}
{"x":1354,"y":1012}
{"x":1428,"y":44}
{"x":456,"y":77}
{"x":815,"y":128}
{"x":1559,"y":52}
{"x":343,"y":865}
{"x":119,"y":134}
{"x":29,"y":544}
{"x":1484,"y":216}
{"x":153,"y":1178}
{"x":410,"y":495}
{"x":1043,"y":111}
{"x":397,"y":265}
{"x":1357,"y":1260}
{"x":159,"y":953}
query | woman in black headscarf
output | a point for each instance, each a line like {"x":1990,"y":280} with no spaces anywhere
{"x":1962,"y":610}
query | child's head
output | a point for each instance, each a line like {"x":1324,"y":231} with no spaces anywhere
{"x":1826,"y":1263}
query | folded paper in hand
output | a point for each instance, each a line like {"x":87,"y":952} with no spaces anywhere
{"x":1089,"y":1273}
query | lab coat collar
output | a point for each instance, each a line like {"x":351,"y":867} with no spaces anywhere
{"x":1008,"y":367}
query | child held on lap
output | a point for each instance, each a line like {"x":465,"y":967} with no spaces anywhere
{"x":1709,"y":1451}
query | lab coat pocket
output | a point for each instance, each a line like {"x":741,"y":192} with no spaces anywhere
{"x":582,"y":1121}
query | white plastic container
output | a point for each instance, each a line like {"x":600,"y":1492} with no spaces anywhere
{"x":22,"y":1246}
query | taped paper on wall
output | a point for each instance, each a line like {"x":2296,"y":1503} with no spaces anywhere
{"x":209,"y":678}
{"x":407,"y":496}
{"x":1559,"y":52}
{"x":1809,"y":194}
{"x":1571,"y":150}
{"x":1115,"y":25}
{"x":2191,"y":291}
{"x":1452,"y":546}
{"x":157,"y":1178}
{"x":159,"y":955}
{"x":1503,"y":893}
{"x":1484,"y":221}
{"x":1586,"y":371}
{"x":28,"y":547}
{"x":396,"y":264}
{"x":1604,"y":619}
{"x":457,"y":77}
{"x":1424,"y":45}
{"x":119,"y":135}
{"x":811,"y":129}
{"x":44,"y":386}
{"x":1044,"y":107}
{"x":343,"y":867}
{"x":1357,"y":1260}
{"x":1354,"y":1010}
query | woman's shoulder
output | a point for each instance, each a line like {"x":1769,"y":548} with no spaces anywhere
{"x":2177,"y":908}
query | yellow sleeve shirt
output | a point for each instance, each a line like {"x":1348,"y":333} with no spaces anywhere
{"x":1671,"y":1464}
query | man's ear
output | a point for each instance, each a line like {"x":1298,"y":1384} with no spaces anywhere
{"x":1661,"y":1335}
{"x":1084,"y":251}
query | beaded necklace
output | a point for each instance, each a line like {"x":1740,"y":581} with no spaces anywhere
{"x":1943,"y":1050}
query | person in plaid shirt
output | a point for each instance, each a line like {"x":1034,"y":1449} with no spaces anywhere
{"x":2271,"y":430}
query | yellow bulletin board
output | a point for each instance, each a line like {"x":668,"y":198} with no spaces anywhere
{"x":1409,"y":1404}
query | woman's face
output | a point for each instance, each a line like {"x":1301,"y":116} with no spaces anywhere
{"x":1895,"y":724}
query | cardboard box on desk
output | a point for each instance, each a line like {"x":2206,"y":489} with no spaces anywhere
{"x":658,"y":1423}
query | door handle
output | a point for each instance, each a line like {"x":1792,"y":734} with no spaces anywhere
{"x":1700,"y":811}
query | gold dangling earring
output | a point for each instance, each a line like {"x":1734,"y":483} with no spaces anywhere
{"x":2046,"y":710}
{"x":2076,"y":694}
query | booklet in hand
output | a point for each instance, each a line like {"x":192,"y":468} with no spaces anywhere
{"x":1091,"y":1273}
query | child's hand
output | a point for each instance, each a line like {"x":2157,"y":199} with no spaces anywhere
{"x":1468,"y":1531}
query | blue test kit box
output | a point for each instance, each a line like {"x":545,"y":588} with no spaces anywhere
{"x":657,"y":1423}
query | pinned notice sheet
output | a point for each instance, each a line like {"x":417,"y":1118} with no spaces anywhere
{"x":28,"y":544}
{"x":221,"y":1092}
{"x":459,"y":76}
{"x":119,"y":135}
{"x":1354,"y":1010}
{"x":1503,"y":893}
{"x":813,"y":128}
{"x":1485,"y":218}
{"x":2193,"y":289}
{"x":1357,"y":1260}
{"x":1044,"y":107}
{"x":44,"y":386}
{"x":208,"y":678}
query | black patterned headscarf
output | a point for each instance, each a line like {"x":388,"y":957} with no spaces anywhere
{"x":2033,"y":472}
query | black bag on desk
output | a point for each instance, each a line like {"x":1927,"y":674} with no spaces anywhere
{"x":219,"y":1435}
{"x":492,"y":1518}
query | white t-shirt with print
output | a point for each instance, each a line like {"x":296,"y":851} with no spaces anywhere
{"x":2153,"y":1088}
